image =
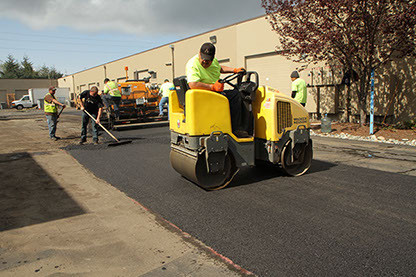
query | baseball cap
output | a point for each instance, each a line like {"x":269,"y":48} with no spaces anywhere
{"x":207,"y":51}
{"x":52,"y":88}
{"x":294,"y":74}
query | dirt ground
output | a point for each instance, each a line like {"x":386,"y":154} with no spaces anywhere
{"x":58,"y":219}
{"x":364,"y":131}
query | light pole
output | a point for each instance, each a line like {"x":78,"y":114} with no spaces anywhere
{"x":173,"y":60}
{"x":372,"y":104}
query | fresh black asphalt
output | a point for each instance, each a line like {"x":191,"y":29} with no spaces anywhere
{"x":337,"y":220}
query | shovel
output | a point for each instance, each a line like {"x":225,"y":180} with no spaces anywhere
{"x":59,"y":114}
{"x":118,"y":142}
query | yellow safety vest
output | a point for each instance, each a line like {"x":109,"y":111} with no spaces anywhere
{"x":112,"y":89}
{"x":50,"y":107}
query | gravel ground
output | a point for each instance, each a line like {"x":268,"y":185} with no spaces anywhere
{"x":373,"y":138}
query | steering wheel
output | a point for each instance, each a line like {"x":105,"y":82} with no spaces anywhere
{"x":239,"y":76}
{"x":233,"y":76}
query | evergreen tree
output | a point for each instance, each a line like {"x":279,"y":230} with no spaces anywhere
{"x":10,"y":68}
{"x":43,"y":72}
{"x":27,"y":70}
{"x":54,"y":74}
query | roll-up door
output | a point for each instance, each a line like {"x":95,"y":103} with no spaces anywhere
{"x":224,"y":62}
{"x":82,"y":88}
{"x":20,"y":92}
{"x":274,"y":71}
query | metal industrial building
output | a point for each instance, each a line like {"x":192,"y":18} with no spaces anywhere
{"x":251,"y":44}
{"x":13,"y":89}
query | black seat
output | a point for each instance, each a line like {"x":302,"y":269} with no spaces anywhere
{"x":248,"y":91}
{"x":181,"y":86}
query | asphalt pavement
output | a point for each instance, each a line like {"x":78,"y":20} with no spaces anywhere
{"x":336,"y":220}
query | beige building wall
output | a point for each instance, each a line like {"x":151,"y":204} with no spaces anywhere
{"x":253,"y":44}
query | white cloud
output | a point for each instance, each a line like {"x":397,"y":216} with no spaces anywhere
{"x":141,"y":17}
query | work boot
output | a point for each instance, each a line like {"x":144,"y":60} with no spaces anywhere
{"x":82,"y":141}
{"x":55,"y":138}
{"x":96,"y":142}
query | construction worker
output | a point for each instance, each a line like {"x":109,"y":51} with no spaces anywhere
{"x":203,"y":72}
{"x":111,"y":94}
{"x":164,"y":90}
{"x":92,"y":103}
{"x":51,"y":111}
{"x":298,"y":88}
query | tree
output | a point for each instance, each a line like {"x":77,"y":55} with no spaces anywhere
{"x":43,"y":72}
{"x":27,"y":70}
{"x":10,"y":68}
{"x":49,"y":73}
{"x":54,"y":74}
{"x":361,"y":35}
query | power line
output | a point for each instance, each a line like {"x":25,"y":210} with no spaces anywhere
{"x":77,"y":38}
{"x":61,"y":50}
{"x":72,"y":43}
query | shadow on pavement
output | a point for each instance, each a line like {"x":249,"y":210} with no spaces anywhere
{"x":28,"y":195}
{"x":264,"y":172}
{"x":318,"y":166}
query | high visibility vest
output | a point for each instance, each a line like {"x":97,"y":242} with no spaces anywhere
{"x":50,"y":107}
{"x":112,"y":89}
{"x":165,"y":88}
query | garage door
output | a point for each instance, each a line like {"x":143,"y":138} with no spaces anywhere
{"x":82,"y":88}
{"x":3,"y":97}
{"x":274,"y":71}
{"x":225,"y":62}
{"x":20,"y":92}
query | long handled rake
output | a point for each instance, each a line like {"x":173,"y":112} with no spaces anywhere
{"x":118,"y":142}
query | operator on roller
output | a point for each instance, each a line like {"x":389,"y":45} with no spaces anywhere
{"x":298,"y":88}
{"x":111,"y":94}
{"x":203,"y":72}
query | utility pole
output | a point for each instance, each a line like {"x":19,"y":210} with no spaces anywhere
{"x":173,"y":60}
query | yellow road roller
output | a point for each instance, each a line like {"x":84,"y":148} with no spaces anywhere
{"x":204,"y":148}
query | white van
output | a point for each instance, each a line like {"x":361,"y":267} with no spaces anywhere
{"x":23,"y":102}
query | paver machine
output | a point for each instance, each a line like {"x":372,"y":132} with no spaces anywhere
{"x":139,"y":103}
{"x":204,"y":148}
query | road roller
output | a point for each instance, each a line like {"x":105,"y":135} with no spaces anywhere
{"x":206,"y":151}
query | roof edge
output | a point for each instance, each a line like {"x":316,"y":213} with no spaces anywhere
{"x":166,"y":44}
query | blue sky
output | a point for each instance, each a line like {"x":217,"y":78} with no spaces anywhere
{"x":79,"y":34}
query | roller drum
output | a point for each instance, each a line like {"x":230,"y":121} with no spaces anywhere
{"x":193,"y":167}
{"x":184,"y":164}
